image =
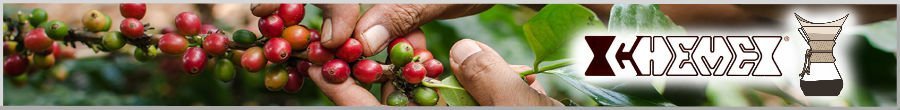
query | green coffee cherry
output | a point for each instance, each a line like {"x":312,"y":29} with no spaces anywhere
{"x":57,"y":30}
{"x":425,"y":96}
{"x":145,"y":56}
{"x":244,"y":36}
{"x":224,"y":69}
{"x":401,"y":53}
{"x":38,"y":16}
{"x":397,"y":98}
{"x":113,"y":41}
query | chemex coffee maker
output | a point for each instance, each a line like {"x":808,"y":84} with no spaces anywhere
{"x":820,"y":76}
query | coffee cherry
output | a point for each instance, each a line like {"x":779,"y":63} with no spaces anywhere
{"x":276,"y":77}
{"x":38,"y":16}
{"x":37,"y":41}
{"x":187,"y":23}
{"x":208,"y":29}
{"x":433,"y":67}
{"x":298,"y":36}
{"x":57,"y":30}
{"x":413,"y":72}
{"x":422,"y":54}
{"x":236,"y":56}
{"x":224,"y":69}
{"x":244,"y":36}
{"x":63,"y":52}
{"x":367,"y":71}
{"x":144,"y":56}
{"x":291,"y":13}
{"x":271,"y":26}
{"x":317,"y":54}
{"x":215,"y":44}
{"x":397,"y":40}
{"x":133,"y":10}
{"x":350,"y":51}
{"x":113,"y":41}
{"x":15,"y":65}
{"x":172,"y":43}
{"x":313,"y":36}
{"x":295,"y":81}
{"x":335,"y":71}
{"x":401,"y":53}
{"x":95,"y":21}
{"x":194,"y":60}
{"x":132,"y":28}
{"x":425,"y":96}
{"x":263,"y":10}
{"x":253,"y":59}
{"x":303,"y":67}
{"x":397,"y":98}
{"x":42,"y":61}
{"x":277,"y":50}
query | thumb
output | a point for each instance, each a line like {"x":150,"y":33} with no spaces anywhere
{"x":383,"y":22}
{"x":490,"y":80}
{"x":338,"y":24}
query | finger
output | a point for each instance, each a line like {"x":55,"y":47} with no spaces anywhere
{"x":338,"y":23}
{"x":417,"y":39}
{"x":488,"y":78}
{"x":386,"y":89}
{"x":383,"y":22}
{"x":346,"y":93}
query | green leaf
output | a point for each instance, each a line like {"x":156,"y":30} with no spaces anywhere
{"x":600,"y":95}
{"x":640,"y":19}
{"x":882,"y":35}
{"x":455,"y":97}
{"x":550,"y":31}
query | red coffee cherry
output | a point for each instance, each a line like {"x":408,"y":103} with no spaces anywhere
{"x":413,"y":72}
{"x":433,"y":67}
{"x":253,"y":59}
{"x":188,"y":24}
{"x":194,"y":60}
{"x":297,"y":35}
{"x":271,"y":26}
{"x":277,"y":50}
{"x":291,"y":13}
{"x":208,"y":29}
{"x":172,"y":44}
{"x":295,"y":80}
{"x":303,"y":67}
{"x":37,"y":41}
{"x":133,"y":10}
{"x":350,"y":51}
{"x":335,"y":71}
{"x":367,"y":71}
{"x":423,"y":55}
{"x":15,"y":65}
{"x":318,"y":54}
{"x":132,"y":28}
{"x":313,"y":36}
{"x":63,"y":52}
{"x":215,"y":44}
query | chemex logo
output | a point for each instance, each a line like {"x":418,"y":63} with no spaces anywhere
{"x":720,"y":56}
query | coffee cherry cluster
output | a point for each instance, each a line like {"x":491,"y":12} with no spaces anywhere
{"x":283,"y":54}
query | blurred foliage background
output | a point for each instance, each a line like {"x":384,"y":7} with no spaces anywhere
{"x":117,"y":79}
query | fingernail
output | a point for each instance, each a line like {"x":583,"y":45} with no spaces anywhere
{"x":374,"y":37}
{"x":463,"y":49}
{"x":326,"y":30}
